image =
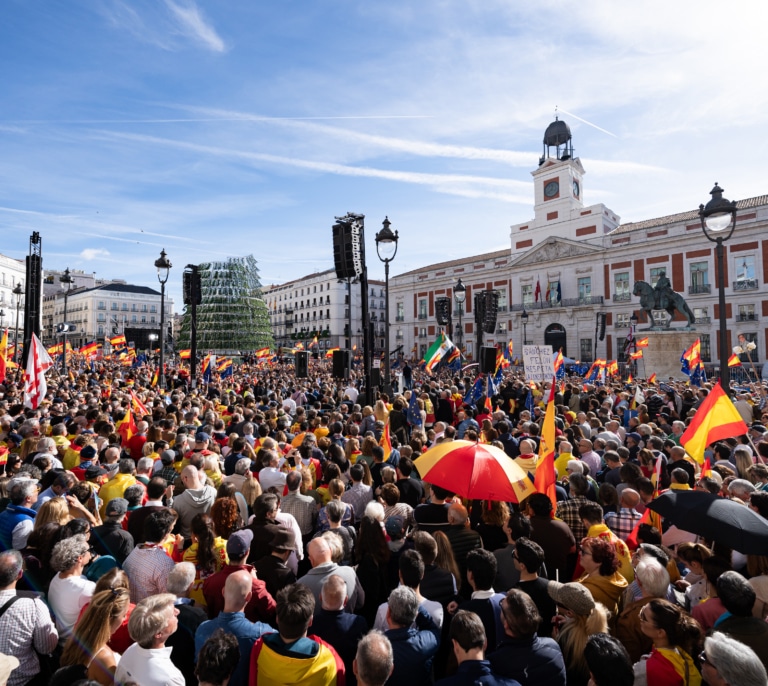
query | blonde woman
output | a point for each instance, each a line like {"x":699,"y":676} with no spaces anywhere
{"x":54,"y":510}
{"x":87,"y":646}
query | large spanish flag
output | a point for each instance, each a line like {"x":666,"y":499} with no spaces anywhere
{"x":544,"y":478}
{"x":715,"y":420}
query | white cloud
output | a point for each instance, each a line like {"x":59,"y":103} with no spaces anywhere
{"x":94,"y":254}
{"x":191,"y":23}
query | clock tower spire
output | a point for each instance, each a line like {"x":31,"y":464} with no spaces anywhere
{"x":558,"y":179}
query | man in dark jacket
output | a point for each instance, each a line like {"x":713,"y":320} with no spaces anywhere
{"x":468,"y":641}
{"x":110,"y":538}
{"x":413,"y":648}
{"x":522,"y":655}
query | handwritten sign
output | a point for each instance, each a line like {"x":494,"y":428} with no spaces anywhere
{"x":538,"y":363}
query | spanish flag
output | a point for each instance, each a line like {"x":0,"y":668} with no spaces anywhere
{"x":137,"y":406}
{"x":386,"y":442}
{"x":734,"y":361}
{"x":329,"y":353}
{"x":652,"y":378}
{"x":262,"y":352}
{"x":156,"y":377}
{"x":544,"y":478}
{"x":629,"y":378}
{"x":118,"y":341}
{"x":185,"y":354}
{"x":636,"y":355}
{"x":126,"y":427}
{"x":642,"y":342}
{"x":3,"y":354}
{"x":612,"y":368}
{"x":90,"y":349}
{"x":715,"y":420}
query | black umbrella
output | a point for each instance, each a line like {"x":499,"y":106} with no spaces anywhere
{"x":715,"y":518}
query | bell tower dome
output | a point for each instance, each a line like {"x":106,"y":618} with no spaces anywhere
{"x":557,"y":181}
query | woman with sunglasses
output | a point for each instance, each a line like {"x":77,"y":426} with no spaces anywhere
{"x":676,"y":637}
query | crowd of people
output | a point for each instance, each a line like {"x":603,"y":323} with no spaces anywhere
{"x":268,"y":529}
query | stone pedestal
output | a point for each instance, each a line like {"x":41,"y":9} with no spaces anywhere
{"x":663,"y":352}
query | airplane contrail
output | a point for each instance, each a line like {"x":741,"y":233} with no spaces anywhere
{"x":588,"y":123}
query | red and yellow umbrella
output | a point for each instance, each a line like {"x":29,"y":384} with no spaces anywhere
{"x":477,"y":471}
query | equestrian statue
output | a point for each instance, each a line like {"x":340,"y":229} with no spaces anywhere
{"x":662,"y":297}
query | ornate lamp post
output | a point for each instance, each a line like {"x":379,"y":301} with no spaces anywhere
{"x":524,"y":322}
{"x":66,"y":278}
{"x":718,"y":221}
{"x":163,"y":265}
{"x":386,"y":249}
{"x":18,"y":291}
{"x":460,"y":295}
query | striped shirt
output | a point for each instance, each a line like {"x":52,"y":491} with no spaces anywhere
{"x":26,"y":627}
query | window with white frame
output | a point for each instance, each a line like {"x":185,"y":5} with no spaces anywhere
{"x":527,"y":294}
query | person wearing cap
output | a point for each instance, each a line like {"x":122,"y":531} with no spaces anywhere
{"x":110,"y":538}
{"x":578,"y":617}
{"x":261,"y":605}
{"x":236,"y":595}
{"x":202,"y":441}
{"x":273,"y":569}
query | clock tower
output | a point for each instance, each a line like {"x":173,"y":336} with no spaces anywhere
{"x":559,"y":209}
{"x":558,"y":180}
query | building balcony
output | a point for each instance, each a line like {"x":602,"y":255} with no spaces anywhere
{"x":502,"y":308}
{"x":423,"y":334}
{"x":586,"y":301}
{"x":400,"y":318}
{"x":703,"y":320}
{"x":699,"y":289}
{"x":622,"y":297}
{"x":746,"y":317}
{"x":422,"y":315}
{"x":745,"y":285}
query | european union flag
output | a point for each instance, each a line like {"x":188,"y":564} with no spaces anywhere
{"x":475,"y":393}
{"x":414,"y":414}
{"x":529,"y":401}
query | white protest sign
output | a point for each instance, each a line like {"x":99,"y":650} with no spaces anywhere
{"x":538,"y":363}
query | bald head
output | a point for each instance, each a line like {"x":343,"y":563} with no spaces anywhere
{"x":526,"y":447}
{"x":629,"y":498}
{"x":191,"y":477}
{"x":319,"y":551}
{"x":237,"y":591}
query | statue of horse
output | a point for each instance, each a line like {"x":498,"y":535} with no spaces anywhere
{"x":649,"y":301}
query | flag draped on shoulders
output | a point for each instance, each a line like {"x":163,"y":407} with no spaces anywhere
{"x":544,"y":478}
{"x":716,"y":419}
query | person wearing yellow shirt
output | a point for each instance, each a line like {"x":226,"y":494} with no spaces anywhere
{"x":561,"y":463}
{"x":592,"y":517}
{"x":115,"y":487}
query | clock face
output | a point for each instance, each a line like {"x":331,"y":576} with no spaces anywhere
{"x":576,"y":189}
{"x":551,"y":189}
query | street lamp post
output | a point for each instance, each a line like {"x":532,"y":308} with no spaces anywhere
{"x":633,"y":324}
{"x":18,"y":292}
{"x":460,"y":295}
{"x":66,"y":278}
{"x":718,"y":221}
{"x":386,"y":249}
{"x":2,"y":318}
{"x":524,"y":322}
{"x":163,"y":265}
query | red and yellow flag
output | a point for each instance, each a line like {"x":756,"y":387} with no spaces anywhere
{"x":386,"y":442}
{"x":137,"y":406}
{"x":329,"y":353}
{"x":652,"y":378}
{"x":636,"y":355}
{"x":734,"y":361}
{"x":3,"y":355}
{"x":126,"y":427}
{"x":544,"y":478}
{"x":118,"y":341}
{"x":185,"y":354}
{"x":716,"y":419}
{"x":642,"y":342}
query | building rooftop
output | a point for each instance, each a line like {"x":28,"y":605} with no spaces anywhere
{"x":686,"y":217}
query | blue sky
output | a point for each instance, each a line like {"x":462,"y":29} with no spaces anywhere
{"x":216,"y":128}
